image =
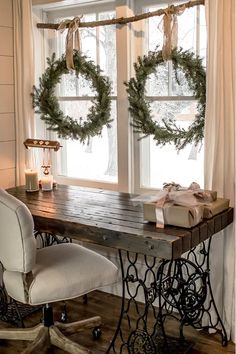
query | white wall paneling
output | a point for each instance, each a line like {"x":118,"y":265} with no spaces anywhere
{"x":6,"y":70}
{"x":6,"y":99}
{"x":7,"y":124}
{"x":6,"y":13}
{"x":7,"y":115}
{"x":6,"y":40}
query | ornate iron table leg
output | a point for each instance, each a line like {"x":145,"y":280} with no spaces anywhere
{"x":185,"y":287}
{"x":180,"y":289}
{"x":140,"y":327}
{"x":201,"y":257}
{"x":46,"y":239}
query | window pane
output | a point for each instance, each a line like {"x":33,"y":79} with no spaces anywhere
{"x":179,"y":85}
{"x":88,"y":38}
{"x":164,"y":163}
{"x":167,"y":165}
{"x":99,"y":45}
{"x":157,"y":84}
{"x":95,"y":160}
{"x":78,"y":110}
{"x":70,"y":84}
{"x":187,"y":29}
{"x":180,"y":111}
{"x":203,"y":33}
{"x":154,"y":30}
{"x":107,"y":49}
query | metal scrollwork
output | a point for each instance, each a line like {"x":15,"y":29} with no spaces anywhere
{"x":3,"y":302}
{"x":151,"y":293}
{"x":183,"y":286}
{"x":178,"y":288}
{"x":45,"y":239}
{"x":139,"y":281}
{"x":140,"y":342}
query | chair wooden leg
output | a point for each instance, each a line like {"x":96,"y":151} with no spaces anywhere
{"x":41,"y":336}
{"x":41,"y":342}
{"x":64,"y":343}
{"x":73,"y":327}
{"x":21,"y":333}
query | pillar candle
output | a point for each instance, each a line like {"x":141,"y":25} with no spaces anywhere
{"x":47,"y":183}
{"x":31,"y":180}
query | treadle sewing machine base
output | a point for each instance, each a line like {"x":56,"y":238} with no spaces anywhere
{"x":169,"y":345}
{"x":169,"y":283}
{"x":175,"y":289}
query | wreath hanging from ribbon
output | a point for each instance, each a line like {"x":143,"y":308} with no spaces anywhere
{"x":167,"y":130}
{"x":47,"y":105}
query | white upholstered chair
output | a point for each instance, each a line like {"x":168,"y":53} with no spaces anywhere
{"x":47,"y":275}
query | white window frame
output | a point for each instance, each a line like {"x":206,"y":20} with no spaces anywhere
{"x":142,"y":173}
{"x":129,"y":41}
{"x":124,"y":149}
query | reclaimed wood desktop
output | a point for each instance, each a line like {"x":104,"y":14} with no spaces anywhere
{"x":111,"y":219}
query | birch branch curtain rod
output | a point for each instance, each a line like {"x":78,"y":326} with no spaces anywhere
{"x":122,"y":20}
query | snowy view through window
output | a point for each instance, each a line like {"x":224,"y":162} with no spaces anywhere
{"x":165,"y":163}
{"x":97,"y":159}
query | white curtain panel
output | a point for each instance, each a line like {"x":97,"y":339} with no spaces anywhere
{"x":220,"y":147}
{"x":24,"y":80}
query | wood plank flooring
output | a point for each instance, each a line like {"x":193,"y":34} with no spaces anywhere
{"x":108,"y":306}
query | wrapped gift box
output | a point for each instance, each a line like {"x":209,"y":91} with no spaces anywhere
{"x":175,"y":214}
{"x":185,"y":216}
{"x":215,"y":207}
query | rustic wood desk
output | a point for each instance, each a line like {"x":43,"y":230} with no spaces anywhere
{"x":180,"y":284}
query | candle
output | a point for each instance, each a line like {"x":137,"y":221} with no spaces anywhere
{"x":31,"y":180}
{"x":47,"y":183}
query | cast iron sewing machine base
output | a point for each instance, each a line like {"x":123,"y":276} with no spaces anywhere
{"x":179,"y":289}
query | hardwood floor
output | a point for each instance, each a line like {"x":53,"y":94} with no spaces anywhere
{"x":108,"y":306}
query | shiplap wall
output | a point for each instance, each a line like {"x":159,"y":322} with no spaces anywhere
{"x":7,"y":117}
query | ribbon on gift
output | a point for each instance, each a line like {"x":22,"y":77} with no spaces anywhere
{"x":175,"y":194}
{"x":72,"y":38}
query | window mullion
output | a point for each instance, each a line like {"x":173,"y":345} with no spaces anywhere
{"x":97,"y":42}
{"x":123,"y":34}
{"x":170,"y":69}
{"x":141,"y":148}
{"x":198,"y":30}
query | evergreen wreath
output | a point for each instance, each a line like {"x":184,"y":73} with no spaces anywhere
{"x":46,"y":102}
{"x":167,"y":131}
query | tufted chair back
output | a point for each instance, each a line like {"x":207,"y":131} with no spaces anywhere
{"x":59,"y":272}
{"x":17,"y":242}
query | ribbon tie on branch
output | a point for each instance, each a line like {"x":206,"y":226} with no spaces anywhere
{"x":170,"y":30}
{"x":72,"y":38}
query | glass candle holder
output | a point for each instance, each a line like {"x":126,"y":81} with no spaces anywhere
{"x":47,"y":182}
{"x":31,"y":180}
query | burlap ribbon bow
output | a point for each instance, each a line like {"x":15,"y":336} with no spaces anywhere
{"x":175,"y":194}
{"x":72,"y":38}
{"x":170,"y":31}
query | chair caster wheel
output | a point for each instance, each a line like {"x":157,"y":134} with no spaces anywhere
{"x":97,"y":332}
{"x":63,"y":317}
{"x":85,"y":299}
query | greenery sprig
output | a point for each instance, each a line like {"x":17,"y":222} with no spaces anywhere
{"x":167,"y":130}
{"x":45,"y":101}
